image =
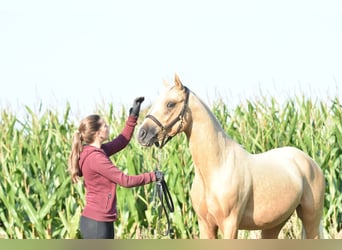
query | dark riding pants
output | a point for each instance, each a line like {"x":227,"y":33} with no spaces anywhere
{"x":92,"y":229}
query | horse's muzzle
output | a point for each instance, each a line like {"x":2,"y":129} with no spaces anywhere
{"x":147,"y":136}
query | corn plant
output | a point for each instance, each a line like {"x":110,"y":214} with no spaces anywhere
{"x":37,"y":199}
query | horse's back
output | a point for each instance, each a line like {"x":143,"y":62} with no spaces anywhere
{"x":289,"y":158}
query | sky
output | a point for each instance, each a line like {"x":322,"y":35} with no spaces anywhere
{"x":95,"y":52}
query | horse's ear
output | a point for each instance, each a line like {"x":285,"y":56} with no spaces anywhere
{"x":178,"y":82}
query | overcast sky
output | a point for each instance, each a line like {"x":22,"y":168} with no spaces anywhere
{"x":91,"y":52}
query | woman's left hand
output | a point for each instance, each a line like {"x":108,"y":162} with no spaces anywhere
{"x":135,"y":110}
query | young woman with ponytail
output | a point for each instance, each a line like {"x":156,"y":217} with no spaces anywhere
{"x":89,"y":158}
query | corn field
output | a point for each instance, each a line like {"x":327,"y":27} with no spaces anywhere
{"x":37,"y":199}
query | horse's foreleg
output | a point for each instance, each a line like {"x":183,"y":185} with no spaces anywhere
{"x":207,"y":226}
{"x":207,"y":230}
{"x":230,"y":227}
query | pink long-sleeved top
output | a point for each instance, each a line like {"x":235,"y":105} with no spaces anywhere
{"x":101,"y":176}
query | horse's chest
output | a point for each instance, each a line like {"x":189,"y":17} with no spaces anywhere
{"x":217,"y":196}
{"x":205,"y":199}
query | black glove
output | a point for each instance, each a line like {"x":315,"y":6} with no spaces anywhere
{"x":159,"y":176}
{"x":135,"y":110}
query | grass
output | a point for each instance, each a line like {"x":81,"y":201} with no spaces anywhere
{"x":37,"y":199}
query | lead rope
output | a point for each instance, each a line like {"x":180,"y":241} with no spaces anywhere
{"x":162,"y":192}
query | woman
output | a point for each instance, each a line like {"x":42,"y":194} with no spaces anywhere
{"x":89,"y":158}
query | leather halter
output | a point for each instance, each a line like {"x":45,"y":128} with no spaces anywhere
{"x":166,"y":128}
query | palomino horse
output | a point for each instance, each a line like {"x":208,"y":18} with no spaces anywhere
{"x":233,"y":189}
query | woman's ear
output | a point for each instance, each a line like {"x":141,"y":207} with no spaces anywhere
{"x":97,"y":136}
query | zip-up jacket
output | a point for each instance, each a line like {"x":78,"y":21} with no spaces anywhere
{"x":101,"y":176}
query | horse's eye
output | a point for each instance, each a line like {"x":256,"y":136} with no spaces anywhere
{"x":171,"y":105}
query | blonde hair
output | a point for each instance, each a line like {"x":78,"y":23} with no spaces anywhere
{"x":85,"y":135}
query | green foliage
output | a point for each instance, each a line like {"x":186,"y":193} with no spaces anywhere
{"x":37,"y":199}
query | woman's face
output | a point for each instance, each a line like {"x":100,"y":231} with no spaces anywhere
{"x":103,"y":132}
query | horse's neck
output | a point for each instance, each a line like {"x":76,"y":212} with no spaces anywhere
{"x":209,"y":144}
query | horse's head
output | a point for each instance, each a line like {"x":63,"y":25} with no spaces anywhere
{"x":168,"y":116}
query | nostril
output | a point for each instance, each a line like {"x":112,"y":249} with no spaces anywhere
{"x":142,"y":133}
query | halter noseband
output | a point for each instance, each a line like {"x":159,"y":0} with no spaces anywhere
{"x":180,"y":117}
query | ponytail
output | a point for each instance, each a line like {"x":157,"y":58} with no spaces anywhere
{"x":85,"y":135}
{"x":73,"y":163}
